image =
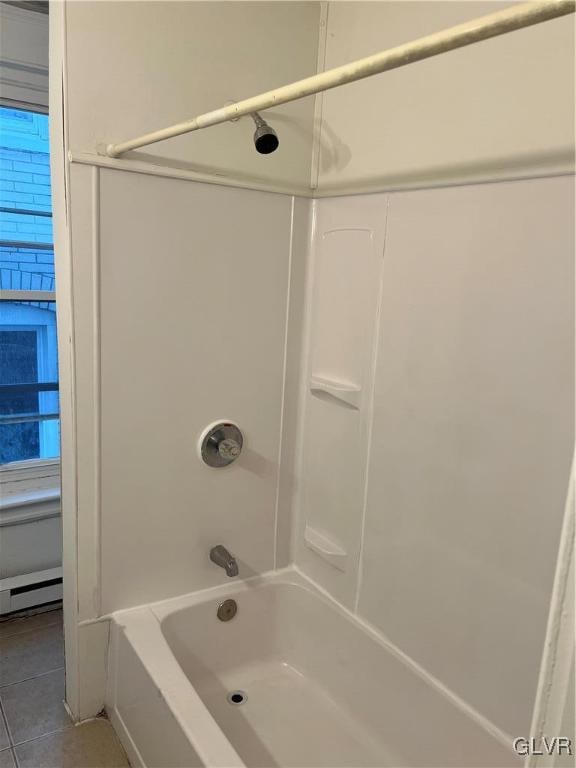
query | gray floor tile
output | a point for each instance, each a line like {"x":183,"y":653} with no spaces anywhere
{"x":15,"y":626}
{"x":4,"y":740}
{"x":35,"y":707}
{"x":90,"y":745}
{"x":31,"y":653}
{"x":7,"y":759}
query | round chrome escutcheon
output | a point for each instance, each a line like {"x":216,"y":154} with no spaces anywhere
{"x":221,"y":444}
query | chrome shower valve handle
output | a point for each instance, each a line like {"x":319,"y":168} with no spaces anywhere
{"x":220,"y":444}
{"x":229,"y":449}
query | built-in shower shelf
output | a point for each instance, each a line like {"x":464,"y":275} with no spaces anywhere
{"x":326,"y":547}
{"x":339,"y":390}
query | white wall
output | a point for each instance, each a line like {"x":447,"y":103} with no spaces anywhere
{"x":501,"y":108}
{"x":134,"y":67}
{"x":446,"y":487}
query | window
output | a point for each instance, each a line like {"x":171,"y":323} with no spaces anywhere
{"x":29,"y":414}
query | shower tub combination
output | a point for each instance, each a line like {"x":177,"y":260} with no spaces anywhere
{"x":292,"y":679}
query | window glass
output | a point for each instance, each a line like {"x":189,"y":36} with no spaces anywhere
{"x":19,"y":363}
{"x":29,"y":423}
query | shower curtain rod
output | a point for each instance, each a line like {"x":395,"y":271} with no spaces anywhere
{"x":499,"y":23}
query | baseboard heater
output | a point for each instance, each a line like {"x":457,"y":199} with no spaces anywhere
{"x":29,"y":590}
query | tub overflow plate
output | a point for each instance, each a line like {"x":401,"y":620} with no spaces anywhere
{"x":227,"y":610}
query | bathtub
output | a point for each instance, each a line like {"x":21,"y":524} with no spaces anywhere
{"x":292,"y":680}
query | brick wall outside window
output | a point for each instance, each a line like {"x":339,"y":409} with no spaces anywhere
{"x":25,"y":186}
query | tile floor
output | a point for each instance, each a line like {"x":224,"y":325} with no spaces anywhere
{"x":35,"y":730}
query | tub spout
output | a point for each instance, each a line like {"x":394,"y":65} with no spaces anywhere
{"x":224,"y":559}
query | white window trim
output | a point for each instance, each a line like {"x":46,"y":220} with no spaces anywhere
{"x":24,"y":65}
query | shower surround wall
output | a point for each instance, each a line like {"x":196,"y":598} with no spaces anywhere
{"x":433,"y":507}
{"x":182,"y":302}
{"x":167,"y":343}
{"x":213,"y":349}
{"x":438,"y":500}
{"x":174,"y":299}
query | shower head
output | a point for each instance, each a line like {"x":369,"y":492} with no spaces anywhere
{"x":265,"y":138}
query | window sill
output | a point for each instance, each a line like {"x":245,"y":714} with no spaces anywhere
{"x":26,"y":499}
{"x":28,"y":470}
{"x":29,"y":491}
{"x":19,"y":511}
{"x":29,"y":507}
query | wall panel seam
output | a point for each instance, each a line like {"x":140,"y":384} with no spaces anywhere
{"x":284,"y":374}
{"x":370,"y":409}
{"x":97,"y":384}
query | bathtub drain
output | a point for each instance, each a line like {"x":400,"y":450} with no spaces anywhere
{"x":236,"y":697}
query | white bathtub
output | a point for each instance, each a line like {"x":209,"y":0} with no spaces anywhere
{"x":320,"y":688}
